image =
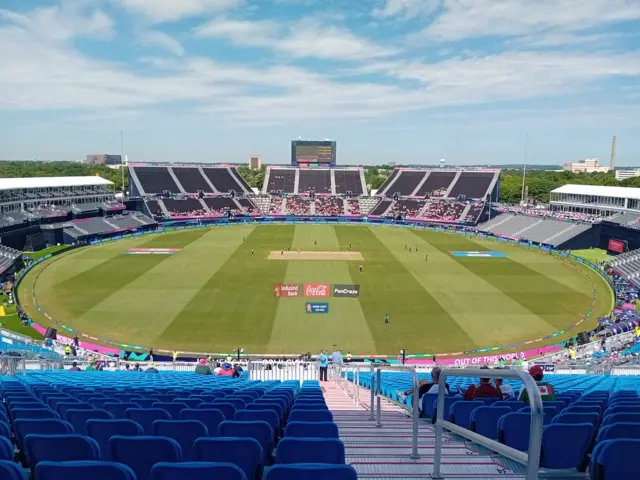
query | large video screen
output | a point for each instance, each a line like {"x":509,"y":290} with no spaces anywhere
{"x":616,"y":246}
{"x":314,"y":153}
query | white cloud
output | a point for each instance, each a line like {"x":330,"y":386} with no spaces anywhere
{"x":475,"y":18}
{"x":171,"y":10}
{"x":63,"y":22}
{"x":405,"y":8}
{"x":308,"y":38}
{"x":162,"y":40}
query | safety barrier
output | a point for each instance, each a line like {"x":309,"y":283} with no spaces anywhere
{"x":531,"y":458}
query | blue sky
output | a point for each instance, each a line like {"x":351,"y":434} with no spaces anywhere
{"x":410,"y":81}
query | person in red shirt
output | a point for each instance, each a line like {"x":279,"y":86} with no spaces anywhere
{"x":484,"y":390}
{"x":361,"y":267}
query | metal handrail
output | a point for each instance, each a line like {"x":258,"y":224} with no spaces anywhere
{"x":530,"y":459}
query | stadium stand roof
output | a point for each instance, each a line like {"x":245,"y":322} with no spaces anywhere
{"x":51,"y":182}
{"x":600,"y":191}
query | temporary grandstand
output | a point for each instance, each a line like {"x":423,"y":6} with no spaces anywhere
{"x":628,"y":265}
{"x":320,"y":181}
{"x":603,"y":201}
{"x":181,"y":191}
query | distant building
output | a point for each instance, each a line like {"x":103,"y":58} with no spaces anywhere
{"x":588,"y":165}
{"x":103,"y":159}
{"x":255,"y":162}
{"x":624,"y":174}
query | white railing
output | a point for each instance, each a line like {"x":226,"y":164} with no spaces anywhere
{"x":531,"y":458}
{"x":376,"y":393}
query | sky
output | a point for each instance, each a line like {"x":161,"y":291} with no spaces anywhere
{"x":405,"y":81}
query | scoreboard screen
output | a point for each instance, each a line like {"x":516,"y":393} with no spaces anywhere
{"x":313,"y":153}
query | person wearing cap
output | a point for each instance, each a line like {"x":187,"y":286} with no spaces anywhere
{"x":484,"y":390}
{"x":226,"y":370}
{"x":546,"y":390}
{"x":152,"y":368}
{"x":505,"y":389}
{"x":202,"y":368}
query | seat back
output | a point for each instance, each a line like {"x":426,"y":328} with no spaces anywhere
{"x":513,"y":430}
{"x":448,"y":401}
{"x":310,"y":450}
{"x":512,"y":405}
{"x":6,"y":449}
{"x":117,"y":409}
{"x":94,"y":470}
{"x":34,"y":413}
{"x":60,"y":448}
{"x":44,"y":426}
{"x":9,"y":470}
{"x":268,"y":416}
{"x":621,"y":417}
{"x":197,"y":471}
{"x":185,"y":432}
{"x":146,"y":416}
{"x":210,"y":417}
{"x":460,"y":413}
{"x":142,"y":453}
{"x":246,"y":453}
{"x":102,"y":430}
{"x":78,"y":418}
{"x":258,"y":430}
{"x":615,"y":459}
{"x":311,"y":416}
{"x":227,"y":409}
{"x":618,"y":430}
{"x":565,"y":445}
{"x":312,"y":430}
{"x":571,"y":417}
{"x":311,"y":471}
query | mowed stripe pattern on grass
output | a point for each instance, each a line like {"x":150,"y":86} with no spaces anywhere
{"x":215,"y":296}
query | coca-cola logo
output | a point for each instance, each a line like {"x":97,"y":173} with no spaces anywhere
{"x":316,"y":290}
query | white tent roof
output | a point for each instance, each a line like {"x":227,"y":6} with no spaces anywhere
{"x":600,"y":191}
{"x":51,"y":182}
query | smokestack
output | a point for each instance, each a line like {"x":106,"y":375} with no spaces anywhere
{"x":612,"y":164}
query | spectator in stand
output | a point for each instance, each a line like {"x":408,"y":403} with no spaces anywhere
{"x":226,"y":370}
{"x":74,"y":367}
{"x":323,"y":360}
{"x":152,"y":368}
{"x":546,"y":390}
{"x":202,"y":368}
{"x":424,"y":386}
{"x":484,"y":390}
{"x":505,"y":389}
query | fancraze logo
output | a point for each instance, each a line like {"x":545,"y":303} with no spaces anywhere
{"x":349,"y":291}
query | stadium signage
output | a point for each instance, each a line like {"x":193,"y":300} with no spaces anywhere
{"x":317,"y":289}
{"x":347,"y":291}
{"x":316,"y":307}
{"x":286,"y":290}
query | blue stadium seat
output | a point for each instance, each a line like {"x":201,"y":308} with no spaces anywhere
{"x":197,"y":471}
{"x":460,"y":413}
{"x":565,"y":445}
{"x":311,"y":471}
{"x":621,"y":417}
{"x":571,"y":417}
{"x":258,"y":430}
{"x":246,"y":453}
{"x":309,"y":406}
{"x":549,"y":413}
{"x":312,"y":429}
{"x":173,"y":408}
{"x":448,"y":401}
{"x":429,"y":404}
{"x":284,"y":402}
{"x":93,"y":470}
{"x":310,"y":450}
{"x":227,"y":409}
{"x":142,"y":453}
{"x":310,"y":416}
{"x":118,"y":410}
{"x":615,"y":460}
{"x":6,"y":449}
{"x":268,"y":416}
{"x":622,"y":408}
{"x":34,"y":413}
{"x":618,"y":430}
{"x":44,"y":426}
{"x":484,"y":420}
{"x":5,"y":430}
{"x":164,"y":397}
{"x":143,"y":402}
{"x":102,"y":430}
{"x":189,"y":402}
{"x":146,"y":416}
{"x":10,"y":470}
{"x":210,"y":417}
{"x":513,"y":430}
{"x":267,"y":406}
{"x":513,"y":405}
{"x":78,"y":418}
{"x":185,"y":432}
{"x":99,"y":402}
{"x":59,"y":448}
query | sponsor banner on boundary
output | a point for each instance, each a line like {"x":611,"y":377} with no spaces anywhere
{"x":487,"y":359}
{"x":346,"y":291}
{"x":314,"y":307}
{"x":317,"y":289}
{"x":286,"y":290}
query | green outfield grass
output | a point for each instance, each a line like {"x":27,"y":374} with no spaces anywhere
{"x":592,"y":255}
{"x":214,"y":296}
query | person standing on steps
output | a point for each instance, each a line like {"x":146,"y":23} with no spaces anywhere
{"x":323,"y":361}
